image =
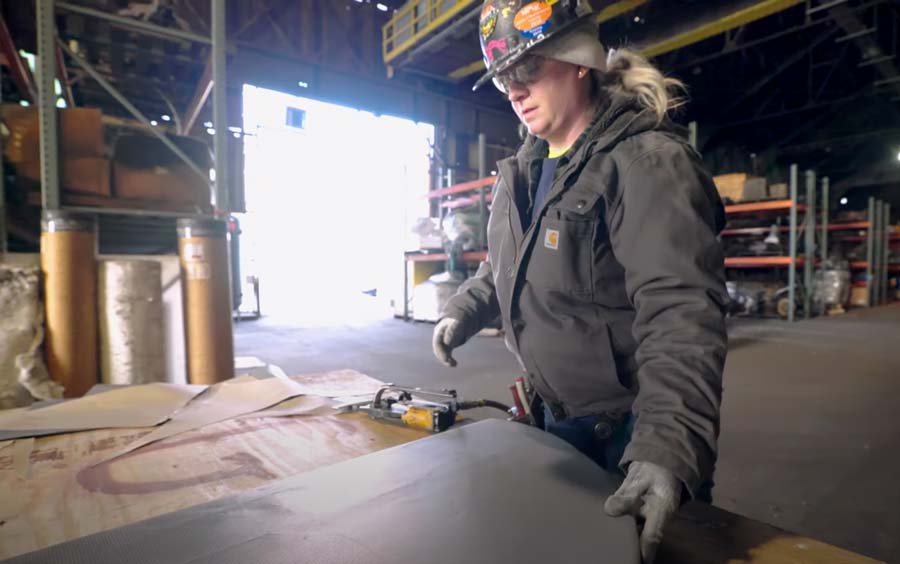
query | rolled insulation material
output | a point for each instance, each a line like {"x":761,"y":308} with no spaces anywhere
{"x":23,"y":375}
{"x":68,"y":264}
{"x":132,"y":345}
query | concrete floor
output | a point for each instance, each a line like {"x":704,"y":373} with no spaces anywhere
{"x":810,"y":427}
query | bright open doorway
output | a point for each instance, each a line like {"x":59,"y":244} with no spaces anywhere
{"x":332,"y":193}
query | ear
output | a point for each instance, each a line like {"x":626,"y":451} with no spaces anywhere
{"x":582,"y":72}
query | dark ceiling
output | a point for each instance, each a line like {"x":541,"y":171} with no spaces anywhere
{"x":816,"y":83}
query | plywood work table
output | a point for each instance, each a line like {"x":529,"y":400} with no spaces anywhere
{"x":63,"y":497}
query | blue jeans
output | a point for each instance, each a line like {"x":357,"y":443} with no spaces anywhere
{"x":579,"y":432}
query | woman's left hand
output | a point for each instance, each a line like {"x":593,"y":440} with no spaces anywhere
{"x":649,"y":492}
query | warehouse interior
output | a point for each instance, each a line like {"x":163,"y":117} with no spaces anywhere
{"x":230,"y":229}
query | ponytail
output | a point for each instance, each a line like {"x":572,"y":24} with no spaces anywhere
{"x":633,"y":74}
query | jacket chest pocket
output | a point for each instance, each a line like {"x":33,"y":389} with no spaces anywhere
{"x":562,"y":257}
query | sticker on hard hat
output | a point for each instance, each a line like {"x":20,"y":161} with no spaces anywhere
{"x":532,"y":19}
{"x":488,"y":21}
{"x":498,"y":45}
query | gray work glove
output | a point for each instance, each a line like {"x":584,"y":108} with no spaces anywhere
{"x":649,"y":492}
{"x":448,"y":335}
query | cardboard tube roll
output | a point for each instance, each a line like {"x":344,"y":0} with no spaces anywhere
{"x":68,"y":265}
{"x":203,"y":251}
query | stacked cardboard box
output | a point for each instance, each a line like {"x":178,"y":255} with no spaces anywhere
{"x":741,"y":187}
{"x":108,"y":162}
{"x":84,"y":166}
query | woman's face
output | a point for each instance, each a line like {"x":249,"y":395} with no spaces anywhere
{"x":547,"y":95}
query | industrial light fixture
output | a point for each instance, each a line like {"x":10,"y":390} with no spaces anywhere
{"x":302,"y":84}
{"x":207,"y":124}
{"x":166,"y":117}
{"x":24,"y":103}
{"x":237,"y":135}
{"x":898,"y":156}
{"x":382,"y":7}
{"x":844,"y":201}
{"x":210,"y":130}
{"x":153,"y":122}
{"x":234,"y":129}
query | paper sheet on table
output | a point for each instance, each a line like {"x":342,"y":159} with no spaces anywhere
{"x":133,"y":406}
{"x":338,"y":383}
{"x":223,"y":401}
{"x":301,"y":405}
{"x":21,"y":453}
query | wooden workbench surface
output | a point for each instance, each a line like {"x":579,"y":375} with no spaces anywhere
{"x":64,"y":497}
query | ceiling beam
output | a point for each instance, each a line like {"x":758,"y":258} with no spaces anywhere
{"x":867,"y":44}
{"x":786,"y":64}
{"x":743,"y":16}
{"x":20,"y":72}
{"x":201,"y":94}
{"x":63,"y":76}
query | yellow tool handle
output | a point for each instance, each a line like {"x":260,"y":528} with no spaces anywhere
{"x":419,"y":418}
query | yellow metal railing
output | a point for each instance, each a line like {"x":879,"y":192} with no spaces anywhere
{"x":415,"y":20}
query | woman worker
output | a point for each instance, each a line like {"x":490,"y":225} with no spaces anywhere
{"x":603,"y":261}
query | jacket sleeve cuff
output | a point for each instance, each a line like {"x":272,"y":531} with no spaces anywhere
{"x":464,"y":319}
{"x":662,"y":457}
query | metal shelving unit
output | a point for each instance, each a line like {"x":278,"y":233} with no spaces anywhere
{"x":49,"y":44}
{"x":793,"y":260}
{"x":49,"y":143}
{"x":465,"y":194}
{"x":878,"y":237}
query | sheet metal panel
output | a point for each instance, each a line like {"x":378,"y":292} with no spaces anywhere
{"x":489,"y":492}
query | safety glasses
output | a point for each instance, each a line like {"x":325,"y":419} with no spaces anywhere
{"x":526,"y":71}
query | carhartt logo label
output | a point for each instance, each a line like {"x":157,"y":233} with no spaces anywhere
{"x":551,"y":239}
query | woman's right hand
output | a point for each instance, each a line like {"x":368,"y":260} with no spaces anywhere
{"x":448,"y":335}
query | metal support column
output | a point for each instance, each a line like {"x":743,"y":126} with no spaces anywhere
{"x":823,"y":242}
{"x":809,"y":242}
{"x":222,"y":204}
{"x":792,"y":244}
{"x":482,"y":203}
{"x":405,"y":289}
{"x":692,"y":135}
{"x":870,"y":251}
{"x":875,"y":290}
{"x":3,"y":245}
{"x":46,"y":71}
{"x":885,"y":251}
{"x":133,"y":24}
{"x":220,"y":110}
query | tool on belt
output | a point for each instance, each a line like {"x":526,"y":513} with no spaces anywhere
{"x":429,"y":410}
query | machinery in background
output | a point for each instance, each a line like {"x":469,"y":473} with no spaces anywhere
{"x":455,"y":235}
{"x":753,"y":298}
{"x":238,"y":285}
{"x":831,"y":287}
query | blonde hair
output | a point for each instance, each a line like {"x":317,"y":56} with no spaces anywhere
{"x":631,"y":73}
